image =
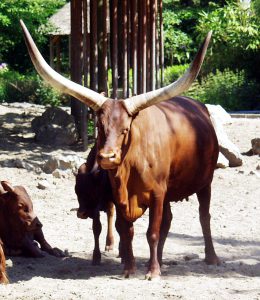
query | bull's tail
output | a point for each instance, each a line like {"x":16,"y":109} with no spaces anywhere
{"x":3,"y":276}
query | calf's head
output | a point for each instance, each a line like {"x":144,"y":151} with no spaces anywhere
{"x":91,"y":189}
{"x":114,"y":117}
{"x":18,"y":207}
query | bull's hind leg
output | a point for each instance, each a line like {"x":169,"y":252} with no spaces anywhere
{"x":164,"y":230}
{"x":204,"y":196}
{"x":110,"y":237}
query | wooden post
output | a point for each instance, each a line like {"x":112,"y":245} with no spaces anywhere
{"x":75,"y":57}
{"x":114,"y":51}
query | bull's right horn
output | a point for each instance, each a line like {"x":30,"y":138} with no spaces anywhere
{"x":64,"y":85}
{"x":136,"y":103}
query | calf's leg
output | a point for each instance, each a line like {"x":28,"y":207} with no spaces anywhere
{"x":204,"y":196}
{"x":110,"y":237}
{"x":97,"y":227}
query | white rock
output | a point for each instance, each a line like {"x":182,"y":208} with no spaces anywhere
{"x":218,"y":112}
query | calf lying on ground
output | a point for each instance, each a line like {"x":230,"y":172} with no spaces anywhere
{"x":94,"y":194}
{"x":3,"y":277}
{"x":20,"y":229}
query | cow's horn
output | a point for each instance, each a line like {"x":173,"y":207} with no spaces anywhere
{"x":139,"y":102}
{"x":64,"y":85}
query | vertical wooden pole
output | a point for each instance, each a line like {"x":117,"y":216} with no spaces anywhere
{"x":75,"y":57}
{"x":153,"y":42}
{"x":124,"y":48}
{"x":140,"y":49}
{"x":85,"y":70}
{"x":134,"y":29}
{"x":102,"y":45}
{"x":161,"y":42}
{"x":148,"y":70}
{"x":144,"y":40}
{"x":114,"y":19}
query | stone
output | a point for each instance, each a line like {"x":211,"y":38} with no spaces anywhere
{"x":63,"y":163}
{"x":218,"y":112}
{"x":55,"y":127}
{"x":43,"y":185}
{"x":255,"y":146}
{"x":226,"y":147}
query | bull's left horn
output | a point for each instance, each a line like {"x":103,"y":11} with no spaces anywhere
{"x":64,"y":85}
{"x":139,"y":102}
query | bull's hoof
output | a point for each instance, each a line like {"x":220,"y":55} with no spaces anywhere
{"x":155,"y":275}
{"x":127,"y":273}
{"x":109,"y":248}
{"x":212,"y":260}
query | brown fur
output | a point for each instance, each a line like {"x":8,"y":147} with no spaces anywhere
{"x":164,"y":153}
{"x":94,"y":194}
{"x":20,"y":228}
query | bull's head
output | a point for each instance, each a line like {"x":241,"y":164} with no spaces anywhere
{"x":114,"y":117}
{"x":19,"y":208}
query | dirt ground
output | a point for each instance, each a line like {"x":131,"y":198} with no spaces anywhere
{"x":235,"y":214}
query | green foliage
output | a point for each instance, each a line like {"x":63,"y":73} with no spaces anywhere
{"x":172,"y":73}
{"x":232,"y":90}
{"x":178,"y":44}
{"x":34,"y":13}
{"x":236,"y":35}
{"x":15,"y":87}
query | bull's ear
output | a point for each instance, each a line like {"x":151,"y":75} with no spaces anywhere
{"x":7,"y":186}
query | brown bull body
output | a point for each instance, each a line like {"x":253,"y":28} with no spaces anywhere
{"x":94,"y":195}
{"x":20,"y":229}
{"x":169,"y":153}
{"x":156,"y":148}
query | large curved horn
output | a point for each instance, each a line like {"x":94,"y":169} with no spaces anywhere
{"x":139,"y":102}
{"x":64,"y":85}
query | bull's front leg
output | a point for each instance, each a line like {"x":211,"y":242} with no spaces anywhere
{"x":153,"y":234}
{"x":96,"y":227}
{"x":110,"y":237}
{"x":125,"y":230}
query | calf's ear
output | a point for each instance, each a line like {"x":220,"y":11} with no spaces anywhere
{"x":7,"y":186}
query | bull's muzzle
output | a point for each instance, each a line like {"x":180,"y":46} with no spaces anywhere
{"x":110,"y":159}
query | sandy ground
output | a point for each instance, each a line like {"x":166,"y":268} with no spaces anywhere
{"x":235,"y":214}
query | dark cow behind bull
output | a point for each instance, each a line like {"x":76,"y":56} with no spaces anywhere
{"x":20,"y":229}
{"x":94,"y":194}
{"x":157,"y":147}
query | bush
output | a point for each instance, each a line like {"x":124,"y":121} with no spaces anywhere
{"x":15,"y":87}
{"x":232,"y":90}
{"x":172,"y":73}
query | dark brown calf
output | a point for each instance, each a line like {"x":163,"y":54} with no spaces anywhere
{"x":20,"y":229}
{"x":94,"y":194}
